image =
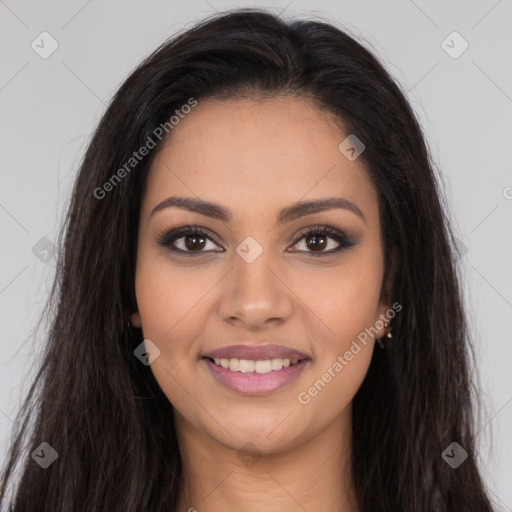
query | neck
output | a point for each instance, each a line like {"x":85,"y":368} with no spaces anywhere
{"x":316,"y":471}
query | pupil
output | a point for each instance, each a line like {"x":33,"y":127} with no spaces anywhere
{"x":193,"y":245}
{"x":316,"y":237}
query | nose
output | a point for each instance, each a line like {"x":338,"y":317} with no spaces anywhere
{"x":255,"y":294}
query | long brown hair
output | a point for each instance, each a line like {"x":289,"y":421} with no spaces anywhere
{"x":103,"y":412}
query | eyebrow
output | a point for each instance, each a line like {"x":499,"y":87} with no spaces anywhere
{"x":287,"y":214}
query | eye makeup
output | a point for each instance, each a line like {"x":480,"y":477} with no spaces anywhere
{"x":201,"y":236}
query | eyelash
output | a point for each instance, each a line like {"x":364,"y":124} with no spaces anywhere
{"x":344,"y":242}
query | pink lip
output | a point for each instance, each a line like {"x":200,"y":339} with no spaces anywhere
{"x":256,"y":383}
{"x":256,"y":352}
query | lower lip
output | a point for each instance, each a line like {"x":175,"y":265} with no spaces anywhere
{"x":256,"y":383}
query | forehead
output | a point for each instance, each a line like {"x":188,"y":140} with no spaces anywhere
{"x":258,"y":154}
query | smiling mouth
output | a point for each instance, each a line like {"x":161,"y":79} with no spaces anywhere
{"x":256,"y":377}
{"x":253,"y":366}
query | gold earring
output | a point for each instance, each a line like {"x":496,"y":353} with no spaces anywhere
{"x":388,"y":335}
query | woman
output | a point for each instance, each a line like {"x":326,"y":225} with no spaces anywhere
{"x":258,"y":303}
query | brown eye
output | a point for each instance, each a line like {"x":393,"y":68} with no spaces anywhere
{"x":316,"y":242}
{"x":322,"y":241}
{"x":189,"y":240}
{"x":193,"y":242}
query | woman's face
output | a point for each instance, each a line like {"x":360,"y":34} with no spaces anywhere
{"x":251,"y":278}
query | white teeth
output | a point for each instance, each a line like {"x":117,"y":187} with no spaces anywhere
{"x":262,"y":366}
{"x":250,"y":366}
{"x":246,"y":366}
{"x":276,"y":364}
{"x":234,"y":365}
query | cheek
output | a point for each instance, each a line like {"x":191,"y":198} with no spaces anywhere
{"x":169,"y":305}
{"x":331,"y":392}
{"x":342,"y":342}
{"x":345,"y":299}
{"x":169,"y":299}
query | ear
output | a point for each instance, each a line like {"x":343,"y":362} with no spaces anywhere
{"x":135,"y":319}
{"x":382,"y":319}
{"x":386,"y":299}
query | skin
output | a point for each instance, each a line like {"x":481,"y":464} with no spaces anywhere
{"x":256,"y":157}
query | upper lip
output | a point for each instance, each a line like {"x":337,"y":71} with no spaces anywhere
{"x":256,"y":352}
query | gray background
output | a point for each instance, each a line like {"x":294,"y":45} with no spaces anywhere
{"x":50,"y":106}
